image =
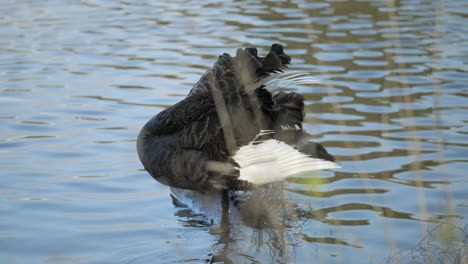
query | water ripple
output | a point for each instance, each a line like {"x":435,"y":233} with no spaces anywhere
{"x":80,"y":78}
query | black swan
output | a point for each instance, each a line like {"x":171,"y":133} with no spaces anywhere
{"x":232,"y":132}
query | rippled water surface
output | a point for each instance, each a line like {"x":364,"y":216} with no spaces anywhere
{"x":79,"y":79}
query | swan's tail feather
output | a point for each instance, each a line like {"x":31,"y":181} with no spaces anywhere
{"x":273,"y":160}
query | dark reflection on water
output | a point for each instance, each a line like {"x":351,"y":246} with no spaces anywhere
{"x":79,"y":78}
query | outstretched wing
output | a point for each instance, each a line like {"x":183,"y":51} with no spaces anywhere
{"x":226,"y":100}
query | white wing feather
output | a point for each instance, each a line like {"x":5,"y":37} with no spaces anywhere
{"x":273,"y":160}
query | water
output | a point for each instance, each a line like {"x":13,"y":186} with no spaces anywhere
{"x":79,"y":79}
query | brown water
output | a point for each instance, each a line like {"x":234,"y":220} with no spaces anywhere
{"x":79,"y":79}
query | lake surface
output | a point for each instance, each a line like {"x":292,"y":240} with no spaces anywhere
{"x":79,"y":79}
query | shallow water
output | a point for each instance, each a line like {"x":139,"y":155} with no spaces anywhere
{"x":79,"y":79}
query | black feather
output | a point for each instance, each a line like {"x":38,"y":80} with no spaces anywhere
{"x":217,"y":117}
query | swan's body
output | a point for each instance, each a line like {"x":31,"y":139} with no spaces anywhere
{"x":231,"y":132}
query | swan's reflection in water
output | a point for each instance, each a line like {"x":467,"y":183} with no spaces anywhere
{"x":265,"y":224}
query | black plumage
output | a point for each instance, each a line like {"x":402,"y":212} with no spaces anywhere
{"x":190,"y":145}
